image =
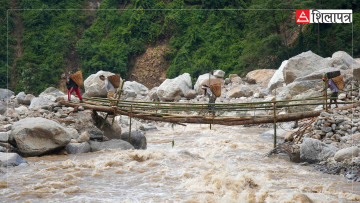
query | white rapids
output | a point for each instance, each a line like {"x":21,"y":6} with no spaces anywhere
{"x":225,"y":164}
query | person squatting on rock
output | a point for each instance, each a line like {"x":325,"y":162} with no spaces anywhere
{"x":71,"y":86}
{"x":110,"y":89}
{"x":212,"y":98}
{"x":335,"y":91}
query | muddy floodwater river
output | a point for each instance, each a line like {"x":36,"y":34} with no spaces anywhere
{"x":225,"y":164}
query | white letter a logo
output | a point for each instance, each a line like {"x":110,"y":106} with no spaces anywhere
{"x":302,"y":18}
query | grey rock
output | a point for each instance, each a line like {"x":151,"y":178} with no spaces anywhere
{"x":219,"y":73}
{"x":28,"y":99}
{"x":93,"y":85}
{"x":73,"y":133}
{"x":52,"y":91}
{"x":191,"y":94}
{"x":133,"y":88}
{"x":329,"y":134}
{"x":313,"y":150}
{"x":340,"y":120}
{"x":264,"y":92}
{"x":37,"y":136}
{"x":7,"y":127}
{"x":4,"y":136}
{"x":148,"y":127}
{"x":347,"y":153}
{"x":172,"y":88}
{"x":5,"y":94}
{"x":333,"y":127}
{"x":302,"y":65}
{"x":10,"y":159}
{"x":137,"y":139}
{"x":111,"y":144}
{"x":41,"y":102}
{"x":2,"y":109}
{"x":76,"y":148}
{"x":326,"y":129}
{"x":227,"y":81}
{"x":84,"y":137}
{"x":96,"y":134}
{"x":20,"y":98}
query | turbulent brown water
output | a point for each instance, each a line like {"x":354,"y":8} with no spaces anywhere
{"x":226,"y":164}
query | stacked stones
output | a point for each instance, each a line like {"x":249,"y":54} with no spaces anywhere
{"x":336,"y":127}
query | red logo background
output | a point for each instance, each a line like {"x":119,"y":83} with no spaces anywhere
{"x":303,"y":16}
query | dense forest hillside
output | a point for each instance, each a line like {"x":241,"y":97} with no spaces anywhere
{"x":40,"y":39}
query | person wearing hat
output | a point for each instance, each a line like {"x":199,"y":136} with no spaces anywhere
{"x":110,"y":89}
{"x":212,"y":98}
{"x":72,"y":87}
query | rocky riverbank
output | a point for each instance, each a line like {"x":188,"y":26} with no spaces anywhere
{"x":39,"y":125}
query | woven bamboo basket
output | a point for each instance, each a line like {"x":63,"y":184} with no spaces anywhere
{"x":77,"y":78}
{"x":115,"y":80}
{"x":216,"y":89}
{"x":339,"y":82}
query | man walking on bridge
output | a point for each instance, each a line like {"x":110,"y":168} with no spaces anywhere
{"x":212,"y":98}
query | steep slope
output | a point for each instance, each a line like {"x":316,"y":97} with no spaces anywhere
{"x":150,"y":67}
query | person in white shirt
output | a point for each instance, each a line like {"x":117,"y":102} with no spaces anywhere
{"x":110,"y":89}
{"x":212,"y":97}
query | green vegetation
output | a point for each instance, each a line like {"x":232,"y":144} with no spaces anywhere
{"x":235,"y":36}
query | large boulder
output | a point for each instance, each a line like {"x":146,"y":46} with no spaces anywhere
{"x":93,"y":84}
{"x":39,"y":102}
{"x":342,"y":59}
{"x":110,"y":129}
{"x":10,"y":159}
{"x":304,"y":64}
{"x":137,"y":139}
{"x":84,"y":121}
{"x":172,"y":88}
{"x":134,"y":89}
{"x":37,"y":136}
{"x":77,"y":148}
{"x":241,"y":91}
{"x":20,"y":98}
{"x":5,"y":94}
{"x":261,"y":76}
{"x":298,"y":87}
{"x":52,"y":91}
{"x":204,"y":80}
{"x":347,"y":153}
{"x":111,"y":144}
{"x":317,"y":75}
{"x":153,"y":94}
{"x":277,"y":80}
{"x":313,"y":150}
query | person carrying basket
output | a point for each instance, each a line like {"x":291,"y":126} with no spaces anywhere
{"x":72,"y":87}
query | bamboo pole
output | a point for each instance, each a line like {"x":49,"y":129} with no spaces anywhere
{"x":274,"y":123}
